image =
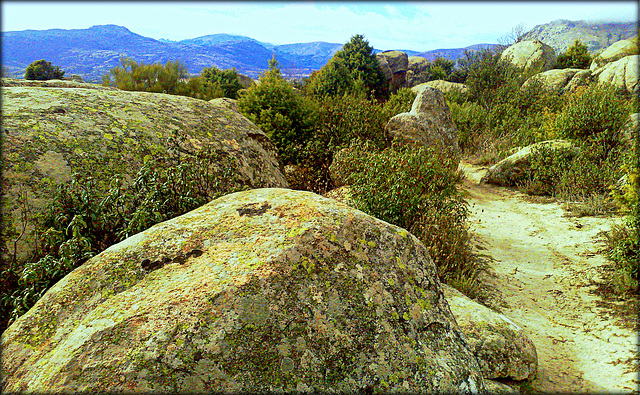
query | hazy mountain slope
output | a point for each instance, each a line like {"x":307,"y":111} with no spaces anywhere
{"x":560,"y":34}
{"x":453,"y":53}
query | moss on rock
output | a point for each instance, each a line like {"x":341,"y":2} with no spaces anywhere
{"x":289,"y":291}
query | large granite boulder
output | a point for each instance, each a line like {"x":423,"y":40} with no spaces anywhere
{"x":616,"y":51}
{"x":532,"y":55}
{"x":50,"y":133}
{"x":418,"y":71}
{"x":561,"y":80}
{"x":261,"y":290}
{"x":394,"y":65}
{"x":517,"y":167}
{"x":429,"y":123}
{"x":622,"y":74}
{"x":503,"y":349}
{"x":443,"y":86}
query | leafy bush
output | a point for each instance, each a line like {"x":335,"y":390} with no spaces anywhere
{"x":353,"y":69}
{"x":43,"y":70}
{"x":133,"y":76}
{"x":399,"y":102}
{"x":282,"y":113}
{"x":413,"y":188}
{"x":226,"y":81}
{"x":594,"y":115}
{"x":577,"y":57}
{"x":81,"y":222}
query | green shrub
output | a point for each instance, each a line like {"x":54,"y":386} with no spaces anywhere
{"x":224,"y":80}
{"x":413,"y":188}
{"x":576,"y":57}
{"x":399,"y":102}
{"x":354,"y":70}
{"x":133,"y":76}
{"x":43,"y":70}
{"x":593,"y":115}
{"x":283,"y":114}
{"x":81,"y":222}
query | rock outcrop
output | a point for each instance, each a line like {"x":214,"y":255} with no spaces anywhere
{"x":394,"y":65}
{"x":561,"y":34}
{"x":622,"y":74}
{"x":443,"y":86}
{"x":516,"y":168}
{"x":531,"y":55}
{"x":261,"y":290}
{"x":428,"y":124}
{"x":50,"y":133}
{"x":561,"y":80}
{"x":616,"y":51}
{"x":418,"y":71}
{"x":503,"y":349}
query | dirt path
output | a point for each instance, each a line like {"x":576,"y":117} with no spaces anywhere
{"x":545,"y":267}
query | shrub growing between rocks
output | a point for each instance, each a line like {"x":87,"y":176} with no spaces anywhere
{"x":81,"y":223}
{"x":412,"y":187}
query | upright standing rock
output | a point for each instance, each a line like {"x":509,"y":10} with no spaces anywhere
{"x":394,"y":65}
{"x":428,"y":124}
{"x":532,"y":55}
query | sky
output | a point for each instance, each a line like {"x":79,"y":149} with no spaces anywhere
{"x":416,"y":25}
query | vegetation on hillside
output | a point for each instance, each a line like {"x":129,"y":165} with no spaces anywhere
{"x":173,"y":78}
{"x":42,"y":70}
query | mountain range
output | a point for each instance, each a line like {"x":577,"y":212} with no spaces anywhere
{"x":92,"y":52}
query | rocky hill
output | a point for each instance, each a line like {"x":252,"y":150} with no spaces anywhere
{"x":94,"y":51}
{"x":560,"y":34}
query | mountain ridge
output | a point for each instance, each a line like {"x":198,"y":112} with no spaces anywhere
{"x":93,"y":51}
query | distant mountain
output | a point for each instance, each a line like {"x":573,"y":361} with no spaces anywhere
{"x":453,"y":54}
{"x":561,"y":34}
{"x":92,"y":52}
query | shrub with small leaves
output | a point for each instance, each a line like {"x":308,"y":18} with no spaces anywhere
{"x":81,"y":222}
{"x":412,"y":187}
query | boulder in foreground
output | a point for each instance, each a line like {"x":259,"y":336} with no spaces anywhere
{"x":261,"y":290}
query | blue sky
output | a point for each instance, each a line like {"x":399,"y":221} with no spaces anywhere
{"x":416,"y":26}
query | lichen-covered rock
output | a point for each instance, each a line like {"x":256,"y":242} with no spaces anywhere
{"x":502,"y":348}
{"x":443,"y":86}
{"x":561,"y":80}
{"x":532,"y":55}
{"x":516,"y":167}
{"x":231,"y":104}
{"x":429,"y":123}
{"x":71,"y":83}
{"x":498,"y":388}
{"x":49,"y":133}
{"x":394,"y":66}
{"x":261,"y":290}
{"x":616,"y":51}
{"x":418,"y":70}
{"x":622,"y":74}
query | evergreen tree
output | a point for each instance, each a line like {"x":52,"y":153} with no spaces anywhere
{"x":283,"y":114}
{"x":576,"y":57}
{"x":43,"y":70}
{"x":352,"y":69}
{"x":224,"y":80}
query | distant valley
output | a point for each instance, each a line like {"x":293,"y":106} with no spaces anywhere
{"x":92,"y":52}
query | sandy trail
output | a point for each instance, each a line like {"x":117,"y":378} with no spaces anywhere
{"x":545,"y":267}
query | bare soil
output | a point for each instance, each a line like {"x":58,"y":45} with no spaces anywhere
{"x":547,"y":276}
